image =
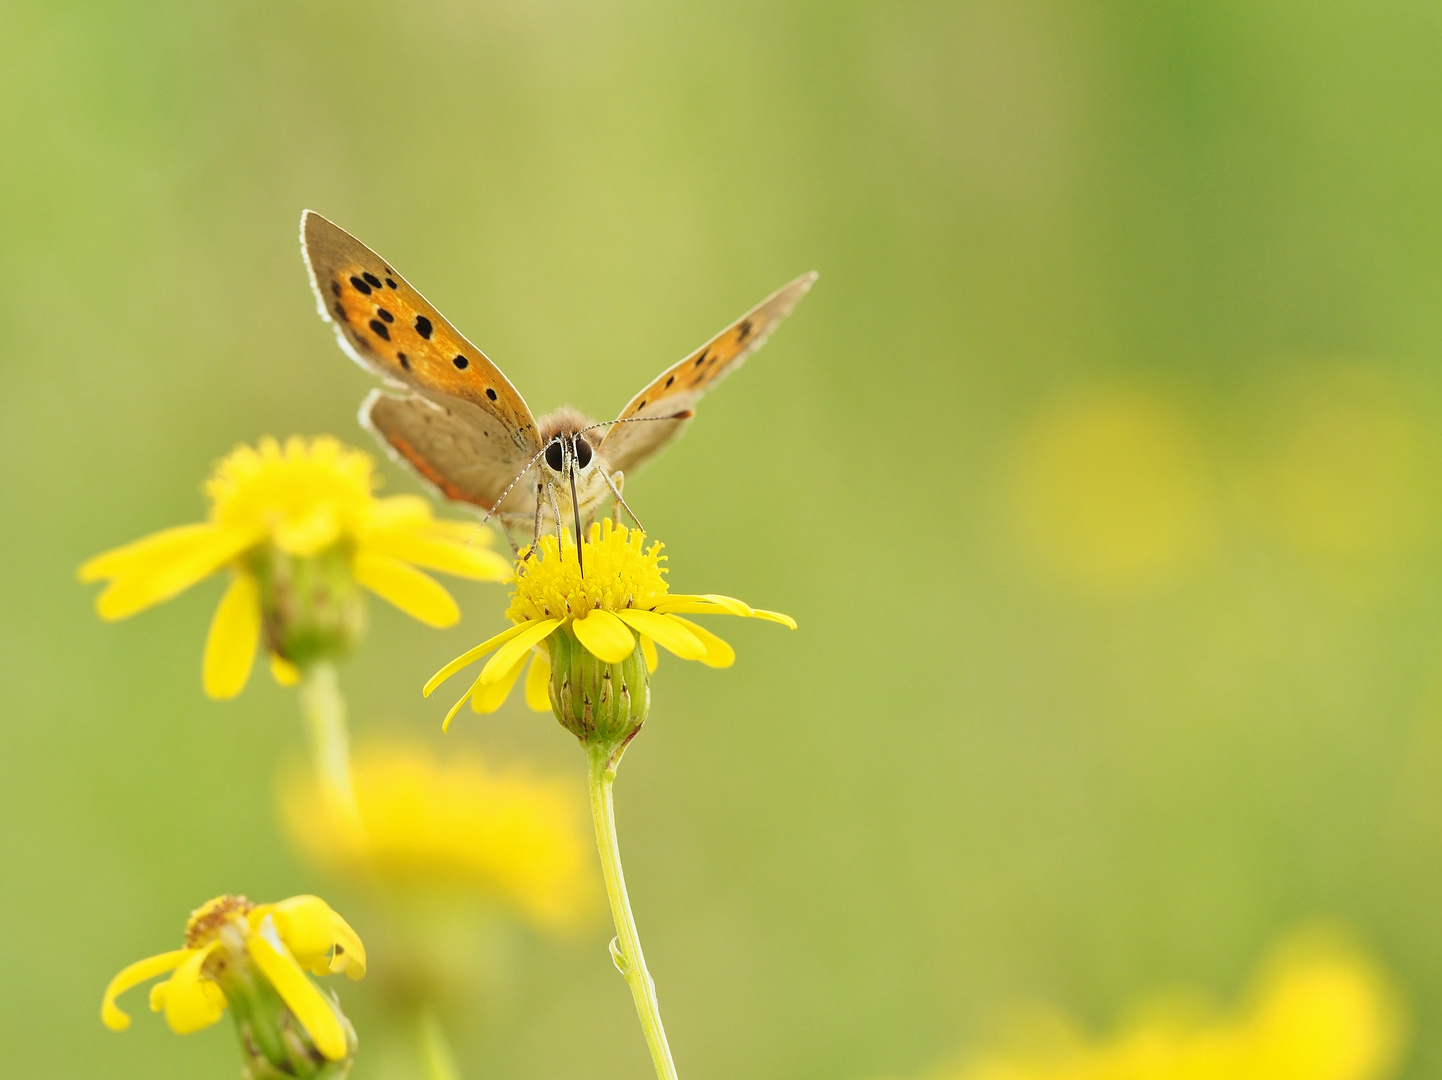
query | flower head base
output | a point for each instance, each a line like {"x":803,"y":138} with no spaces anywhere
{"x":592,"y":638}
{"x":254,"y":959}
{"x":302,"y":533}
{"x":453,"y":824}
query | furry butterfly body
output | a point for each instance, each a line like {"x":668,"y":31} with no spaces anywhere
{"x":451,"y":414}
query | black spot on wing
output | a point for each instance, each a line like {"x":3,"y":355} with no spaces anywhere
{"x":375,"y":282}
{"x":360,"y":286}
{"x":423,"y":326}
{"x":385,"y":315}
{"x":390,"y":284}
{"x":701,"y":359}
{"x":743,"y":331}
{"x":491,"y":393}
{"x":669,"y":380}
{"x":340,"y":311}
{"x":461,"y":362}
{"x":405,"y":363}
{"x":334,"y":287}
{"x":380,"y":330}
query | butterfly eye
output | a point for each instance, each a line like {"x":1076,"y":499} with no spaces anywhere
{"x":583,"y":452}
{"x":555,"y":455}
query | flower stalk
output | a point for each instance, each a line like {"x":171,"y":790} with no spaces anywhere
{"x":325,"y":719}
{"x":626,"y":949}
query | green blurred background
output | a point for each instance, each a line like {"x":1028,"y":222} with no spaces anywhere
{"x":1102,"y":470}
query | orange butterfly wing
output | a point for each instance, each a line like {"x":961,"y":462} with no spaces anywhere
{"x":679,"y":387}
{"x":460,"y":400}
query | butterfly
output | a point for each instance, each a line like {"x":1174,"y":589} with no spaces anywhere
{"x":452,"y":416}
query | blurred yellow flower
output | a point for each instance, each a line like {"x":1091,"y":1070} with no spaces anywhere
{"x":246,"y":955}
{"x":459,"y":823}
{"x":1111,"y":492}
{"x":621,"y":598}
{"x":1352,"y":476}
{"x":1319,"y":1010}
{"x":299,"y":527}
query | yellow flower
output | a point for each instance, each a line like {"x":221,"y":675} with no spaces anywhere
{"x":620,"y":605}
{"x":457,"y":823}
{"x":254,"y":957}
{"x":299,"y":528}
{"x":1319,"y":1011}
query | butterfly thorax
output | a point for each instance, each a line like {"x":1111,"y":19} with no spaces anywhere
{"x":565,"y":421}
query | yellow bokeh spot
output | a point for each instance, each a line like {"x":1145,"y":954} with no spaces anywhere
{"x":514,"y":835}
{"x":1320,"y":1009}
{"x":1111,"y":492}
{"x":1352,"y":477}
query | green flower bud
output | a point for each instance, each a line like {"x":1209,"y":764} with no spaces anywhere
{"x":311,"y":606}
{"x":602,"y":704}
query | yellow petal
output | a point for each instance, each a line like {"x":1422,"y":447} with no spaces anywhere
{"x":509,"y":653}
{"x":471,"y":691}
{"x":438,"y":552}
{"x":317,"y":937}
{"x":418,"y":595}
{"x":714,"y":603}
{"x":774,"y":616}
{"x":648,"y":650}
{"x":312,"y":1010}
{"x":467,"y":532}
{"x":491,"y":696}
{"x":192,"y":1000}
{"x":148,"y":553}
{"x":111,"y":1015}
{"x":470,"y":656}
{"x":234,"y":634}
{"x":538,"y":683}
{"x":718,"y":653}
{"x":665,"y":631}
{"x":730,"y":603}
{"x":402,"y":512}
{"x":604,"y":636}
{"x":160,"y":580}
{"x":283,"y":671}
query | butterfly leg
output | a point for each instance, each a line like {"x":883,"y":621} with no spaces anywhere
{"x":536,"y":532}
{"x":616,"y":481}
{"x":556,"y":510}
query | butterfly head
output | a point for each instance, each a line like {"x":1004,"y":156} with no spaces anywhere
{"x":569,"y":439}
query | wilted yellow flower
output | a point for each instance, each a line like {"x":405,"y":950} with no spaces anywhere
{"x":620,"y":604}
{"x":459,"y":823}
{"x":300,"y":529}
{"x":254,"y":958}
{"x":1320,"y":1010}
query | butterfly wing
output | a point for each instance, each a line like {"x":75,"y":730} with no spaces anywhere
{"x":679,"y":387}
{"x":460,"y":403}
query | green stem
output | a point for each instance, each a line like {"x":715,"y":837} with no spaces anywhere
{"x":324,"y":707}
{"x":626,"y":950}
{"x":440,"y":1062}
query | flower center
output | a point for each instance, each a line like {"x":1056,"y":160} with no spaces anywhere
{"x":210,"y":918}
{"x":303,"y":495}
{"x":620,"y":573}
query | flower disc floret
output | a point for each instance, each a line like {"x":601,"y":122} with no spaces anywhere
{"x":304,"y":496}
{"x":621,"y":572}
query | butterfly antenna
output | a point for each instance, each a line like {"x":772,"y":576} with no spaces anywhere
{"x":616,"y":492}
{"x":514,"y":481}
{"x":684,"y":414}
{"x":575,"y":507}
